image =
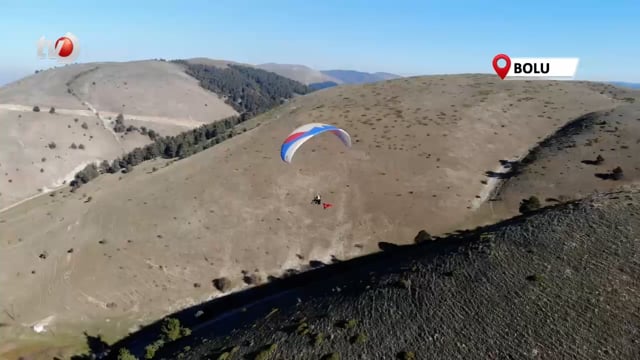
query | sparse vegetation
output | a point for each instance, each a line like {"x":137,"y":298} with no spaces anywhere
{"x":84,"y":125}
{"x":52,"y":110}
{"x":36,"y":108}
{"x":52,"y":145}
{"x":73,"y":146}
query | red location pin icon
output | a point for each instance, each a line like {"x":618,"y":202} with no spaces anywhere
{"x":501,"y":71}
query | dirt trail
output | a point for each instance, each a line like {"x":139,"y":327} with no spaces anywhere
{"x":184,"y":122}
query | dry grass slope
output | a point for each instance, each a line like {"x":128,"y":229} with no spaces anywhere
{"x":154,"y":94}
{"x":421,"y":148}
{"x":566,"y":166}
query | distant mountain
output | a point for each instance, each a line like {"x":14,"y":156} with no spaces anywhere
{"x":322,"y":85}
{"x":358,"y":77}
{"x":626,"y":84}
{"x":300,"y":73}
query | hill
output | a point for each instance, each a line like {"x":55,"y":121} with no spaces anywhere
{"x":133,"y":247}
{"x":577,"y":160}
{"x":300,"y":73}
{"x":560,"y":283}
{"x":626,"y":84}
{"x":358,"y":77}
{"x":43,"y":150}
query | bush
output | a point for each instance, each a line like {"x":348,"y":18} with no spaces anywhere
{"x":599,"y":160}
{"x":52,"y":110}
{"x":617,"y":174}
{"x":422,"y":237}
{"x":125,"y":354}
{"x":52,"y":145}
{"x":151,"y":349}
{"x":81,"y":146}
{"x":87,"y":174}
{"x":73,"y":146}
{"x":529,"y":205}
{"x":36,"y":108}
{"x":171,"y":329}
{"x":84,"y":125}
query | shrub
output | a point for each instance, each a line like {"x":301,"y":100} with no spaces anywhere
{"x":52,"y":110}
{"x":73,"y":146}
{"x":36,"y":108}
{"x":422,"y":236}
{"x":125,"y":354}
{"x":84,"y":125}
{"x":81,"y":146}
{"x":529,"y":205}
{"x":52,"y":145}
{"x":151,"y":349}
{"x":171,"y":329}
{"x":599,"y":159}
{"x":617,"y":174}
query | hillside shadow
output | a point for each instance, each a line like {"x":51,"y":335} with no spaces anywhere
{"x":98,"y":348}
{"x":222,"y":315}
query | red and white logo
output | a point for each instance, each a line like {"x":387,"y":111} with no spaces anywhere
{"x":66,"y":49}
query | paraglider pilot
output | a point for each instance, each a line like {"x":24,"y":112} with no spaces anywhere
{"x":317,"y":200}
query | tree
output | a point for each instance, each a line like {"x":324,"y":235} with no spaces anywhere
{"x":119,"y":126}
{"x":81,"y":146}
{"x":36,"y":108}
{"x":52,"y":145}
{"x":87,"y":174}
{"x":599,"y":160}
{"x":73,"y":146}
{"x":529,"y":205}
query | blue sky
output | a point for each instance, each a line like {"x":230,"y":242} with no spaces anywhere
{"x":404,"y":37}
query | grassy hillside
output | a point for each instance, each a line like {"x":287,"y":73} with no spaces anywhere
{"x":85,"y":101}
{"x":561,"y":283}
{"x":134,"y":247}
{"x":577,"y":160}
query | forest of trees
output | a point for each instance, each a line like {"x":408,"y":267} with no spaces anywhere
{"x":248,"y":90}
{"x":168,"y":147}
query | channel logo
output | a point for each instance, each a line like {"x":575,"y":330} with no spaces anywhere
{"x":65,"y":50}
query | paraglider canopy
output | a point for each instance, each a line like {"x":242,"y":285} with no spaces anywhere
{"x":305,"y":132}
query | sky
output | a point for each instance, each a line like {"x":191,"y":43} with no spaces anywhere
{"x":404,"y":37}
